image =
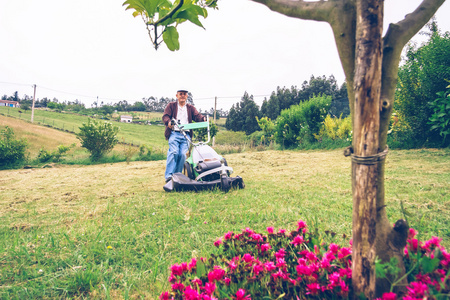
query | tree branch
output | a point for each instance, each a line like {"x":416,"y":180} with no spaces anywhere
{"x":170,"y":14}
{"x":317,"y":11}
{"x":404,"y":30}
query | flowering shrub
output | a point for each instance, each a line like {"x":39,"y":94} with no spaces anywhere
{"x":295,"y":265}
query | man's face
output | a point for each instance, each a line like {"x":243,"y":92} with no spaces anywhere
{"x":182,"y":97}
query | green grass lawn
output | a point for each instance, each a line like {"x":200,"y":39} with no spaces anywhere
{"x":110,"y":231}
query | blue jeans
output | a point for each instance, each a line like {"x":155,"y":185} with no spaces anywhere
{"x":176,"y":156}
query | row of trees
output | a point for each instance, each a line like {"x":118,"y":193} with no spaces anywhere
{"x":147,"y":104}
{"x":242,"y":115}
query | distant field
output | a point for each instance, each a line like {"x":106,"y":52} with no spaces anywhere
{"x":110,"y":231}
{"x":40,"y":135}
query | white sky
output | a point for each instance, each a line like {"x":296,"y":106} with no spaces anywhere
{"x":86,"y":49}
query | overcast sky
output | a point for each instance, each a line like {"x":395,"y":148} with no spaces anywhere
{"x":86,"y":49}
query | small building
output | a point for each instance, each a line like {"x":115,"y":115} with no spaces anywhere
{"x":126,"y":119}
{"x":9,"y":103}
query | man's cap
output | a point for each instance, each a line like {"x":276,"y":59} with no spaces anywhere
{"x":183,"y":91}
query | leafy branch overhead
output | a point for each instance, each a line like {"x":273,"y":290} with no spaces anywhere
{"x":163,"y":16}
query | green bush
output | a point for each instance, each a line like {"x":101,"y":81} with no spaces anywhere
{"x":440,"y":120}
{"x":423,"y":74}
{"x":12,"y":150}
{"x":299,"y":123}
{"x":202,"y":134}
{"x":46,"y":156}
{"x":147,"y":153}
{"x":98,"y":137}
{"x":335,"y":128}
{"x":268,"y":131}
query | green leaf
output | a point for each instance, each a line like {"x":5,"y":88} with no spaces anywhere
{"x":201,"y":268}
{"x":429,"y":265}
{"x":170,"y":37}
{"x":188,"y":14}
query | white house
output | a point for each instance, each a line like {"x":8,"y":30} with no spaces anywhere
{"x":126,"y":119}
{"x":9,"y":103}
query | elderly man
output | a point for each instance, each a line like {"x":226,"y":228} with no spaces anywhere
{"x":183,"y":113}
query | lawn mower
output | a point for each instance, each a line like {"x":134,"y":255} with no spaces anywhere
{"x":204,"y":169}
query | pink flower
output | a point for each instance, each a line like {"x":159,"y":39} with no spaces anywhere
{"x":412,"y":233}
{"x":413,"y":245}
{"x":344,"y":289}
{"x":240,"y":295}
{"x":232,"y":265}
{"x":165,"y":296}
{"x":216,"y":274}
{"x":270,"y":230}
{"x":346,"y":272}
{"x":228,"y":235}
{"x":311,"y":256}
{"x":178,"y":286}
{"x":281,"y":263}
{"x":325,"y":263}
{"x":302,"y":261}
{"x":279,"y":274}
{"x":196,"y":283}
{"x":389,"y":296}
{"x":265,"y":247}
{"x":313,"y":289}
{"x":249,"y":231}
{"x":344,"y":252}
{"x":218,"y":242}
{"x":269,"y":266}
{"x":177,"y":269}
{"x":303,"y":270}
{"x":417,"y":289}
{"x":334,"y":279}
{"x":282,"y":231}
{"x":192,"y":264}
{"x":334,"y":248}
{"x":329,"y":256}
{"x":432,"y":243}
{"x":280,"y":253}
{"x":298,"y":240}
{"x":191,"y":294}
{"x":210,"y":288}
{"x":172,"y":279}
{"x":256,"y":237}
{"x":227,"y":281}
{"x":301,"y":225}
{"x":258,"y":268}
{"x":247,"y":258}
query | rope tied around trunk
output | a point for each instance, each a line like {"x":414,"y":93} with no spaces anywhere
{"x":366,"y":160}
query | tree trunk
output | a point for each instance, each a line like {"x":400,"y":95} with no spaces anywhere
{"x":366,"y":122}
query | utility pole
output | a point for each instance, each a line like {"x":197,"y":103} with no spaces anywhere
{"x":32,"y":106}
{"x":215,"y":109}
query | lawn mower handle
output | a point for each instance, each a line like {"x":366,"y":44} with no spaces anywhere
{"x":181,"y":128}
